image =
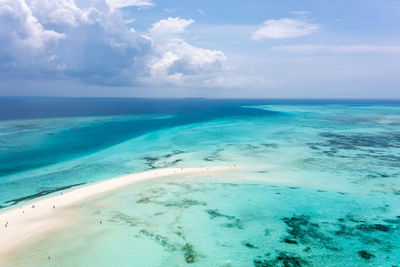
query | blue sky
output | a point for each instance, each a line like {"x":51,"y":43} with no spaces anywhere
{"x":153,"y":48}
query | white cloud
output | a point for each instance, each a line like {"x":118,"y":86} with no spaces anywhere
{"x":339,"y":49}
{"x":174,"y":60}
{"x":92,"y":43}
{"x":284,"y":28}
{"x":170,"y":26}
{"x":56,"y":12}
{"x":178,"y":59}
{"x":126,"y":3}
{"x":58,"y":39}
{"x":19,"y":28}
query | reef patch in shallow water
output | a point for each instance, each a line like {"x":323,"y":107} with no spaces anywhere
{"x":368,"y":233}
{"x":369,"y":228}
{"x":163,"y":161}
{"x":283,"y":259}
{"x":160,"y":239}
{"x":365,"y":255}
{"x":249,"y":245}
{"x":189,"y":253}
{"x":39,"y":194}
{"x":184,"y":203}
{"x":122,"y":218}
{"x":302,"y":230}
{"x":234,"y":222}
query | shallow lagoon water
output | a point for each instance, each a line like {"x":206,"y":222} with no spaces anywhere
{"x":324,"y":189}
{"x":224,"y":221}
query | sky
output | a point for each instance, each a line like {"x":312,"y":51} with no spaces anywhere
{"x":218,"y":48}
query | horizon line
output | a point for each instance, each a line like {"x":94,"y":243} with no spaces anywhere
{"x":203,"y":98}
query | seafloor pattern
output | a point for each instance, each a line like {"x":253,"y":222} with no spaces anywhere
{"x":203,"y":222}
{"x":324,"y":190}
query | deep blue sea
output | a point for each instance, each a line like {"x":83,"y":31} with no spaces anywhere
{"x":324,"y":189}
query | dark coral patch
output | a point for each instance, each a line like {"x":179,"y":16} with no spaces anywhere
{"x":248,"y":244}
{"x":270,"y":145}
{"x":301,"y":229}
{"x":291,"y":260}
{"x":152,"y":161}
{"x":122,"y":218}
{"x":189,"y":253}
{"x":283,"y":259}
{"x":365,"y":255}
{"x":369,"y":228}
{"x":354,"y":141}
{"x":161,"y":240}
{"x":184,"y":203}
{"x":261,"y":263}
{"x":289,"y":241}
{"x":233,"y":221}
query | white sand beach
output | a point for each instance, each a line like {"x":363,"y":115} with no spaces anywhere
{"x":22,"y":224}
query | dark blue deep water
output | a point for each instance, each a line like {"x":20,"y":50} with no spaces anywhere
{"x":93,"y":137}
{"x":47,"y":107}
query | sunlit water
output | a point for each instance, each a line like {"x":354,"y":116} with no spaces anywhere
{"x":322,"y":190}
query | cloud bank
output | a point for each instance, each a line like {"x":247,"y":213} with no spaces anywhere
{"x":58,"y":39}
{"x":90,"y":41}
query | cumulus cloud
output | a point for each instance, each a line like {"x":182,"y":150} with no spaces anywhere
{"x":284,"y":28}
{"x":29,"y":33}
{"x":59,"y":39}
{"x":176,"y":61}
{"x":339,"y":49}
{"x":169,"y":27}
{"x":90,"y":41}
{"x":56,"y":12}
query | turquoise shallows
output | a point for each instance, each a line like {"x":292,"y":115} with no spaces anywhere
{"x":324,"y":188}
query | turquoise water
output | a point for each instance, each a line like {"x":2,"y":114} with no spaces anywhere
{"x":325,"y":190}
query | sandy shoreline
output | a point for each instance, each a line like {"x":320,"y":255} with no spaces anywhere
{"x":23,"y":223}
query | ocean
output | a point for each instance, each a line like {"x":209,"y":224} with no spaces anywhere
{"x":322,"y":187}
